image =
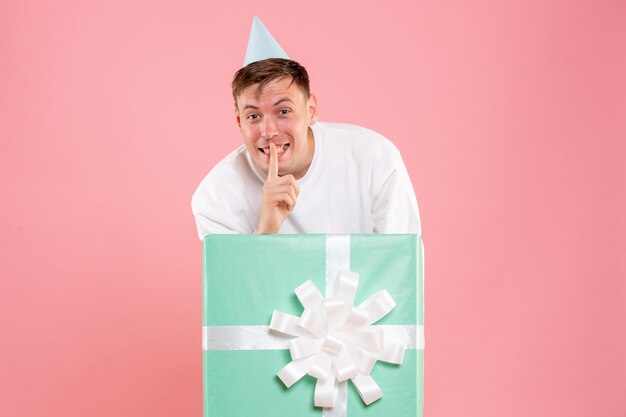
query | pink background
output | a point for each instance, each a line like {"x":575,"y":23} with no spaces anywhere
{"x":511,"y":117}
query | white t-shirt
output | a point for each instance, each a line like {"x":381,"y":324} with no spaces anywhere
{"x":357,"y":183}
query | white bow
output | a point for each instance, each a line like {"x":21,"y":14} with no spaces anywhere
{"x":334,"y":341}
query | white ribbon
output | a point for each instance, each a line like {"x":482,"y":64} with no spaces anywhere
{"x":332,"y":340}
{"x":260,"y":338}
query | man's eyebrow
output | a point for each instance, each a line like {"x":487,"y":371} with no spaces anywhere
{"x":283,"y":100}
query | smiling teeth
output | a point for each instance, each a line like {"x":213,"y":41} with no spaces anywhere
{"x":279,"y":148}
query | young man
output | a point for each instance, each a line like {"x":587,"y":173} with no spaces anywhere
{"x":296,"y":175}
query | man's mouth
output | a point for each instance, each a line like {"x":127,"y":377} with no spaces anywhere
{"x":279,"y":149}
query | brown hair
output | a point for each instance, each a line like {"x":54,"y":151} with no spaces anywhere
{"x":267,"y":70}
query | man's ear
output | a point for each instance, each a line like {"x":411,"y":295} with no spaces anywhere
{"x":237,"y":116}
{"x":312,"y":103}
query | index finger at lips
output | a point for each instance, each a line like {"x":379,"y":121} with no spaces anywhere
{"x":272,"y":171}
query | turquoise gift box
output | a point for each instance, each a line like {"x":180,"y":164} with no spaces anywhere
{"x":247,"y":277}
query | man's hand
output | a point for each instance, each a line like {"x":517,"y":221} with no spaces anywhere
{"x":279,"y":197}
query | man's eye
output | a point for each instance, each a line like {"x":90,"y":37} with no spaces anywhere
{"x":285,"y":111}
{"x":253,"y":117}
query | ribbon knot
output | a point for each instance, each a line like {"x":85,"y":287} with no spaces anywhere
{"x":334,"y":341}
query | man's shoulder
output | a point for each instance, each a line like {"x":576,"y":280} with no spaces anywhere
{"x":357,"y":140}
{"x":232,"y":174}
{"x":234,"y":164}
{"x":353,"y":134}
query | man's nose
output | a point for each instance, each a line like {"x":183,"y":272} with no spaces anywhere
{"x":269,"y":127}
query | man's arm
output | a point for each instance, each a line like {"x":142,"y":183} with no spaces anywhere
{"x":394,"y":208}
{"x":207,"y":225}
{"x":214,"y":206}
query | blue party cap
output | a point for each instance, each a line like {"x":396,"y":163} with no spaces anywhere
{"x":262,"y":44}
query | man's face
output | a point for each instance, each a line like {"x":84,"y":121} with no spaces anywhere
{"x":280,"y":114}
